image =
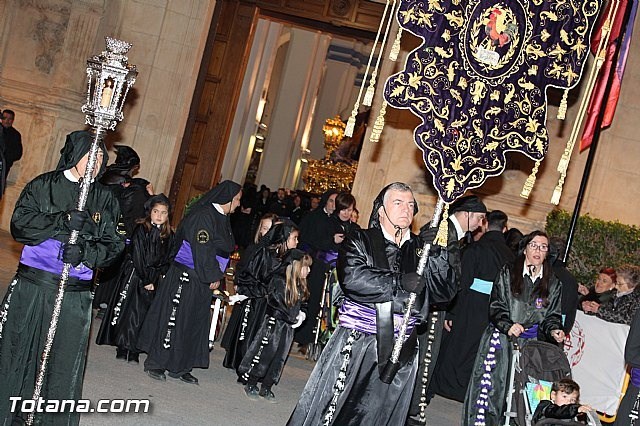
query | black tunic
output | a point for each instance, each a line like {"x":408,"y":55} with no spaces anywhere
{"x":505,"y":310}
{"x":369,"y":269}
{"x":25,"y":312}
{"x":316,"y":238}
{"x":481,"y":262}
{"x":175,"y":333}
{"x":267,"y":353}
{"x":146,"y":262}
{"x":246,"y":318}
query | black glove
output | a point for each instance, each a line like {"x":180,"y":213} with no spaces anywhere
{"x":428,"y":234}
{"x":72,"y":253}
{"x":76,"y":219}
{"x":412,"y":283}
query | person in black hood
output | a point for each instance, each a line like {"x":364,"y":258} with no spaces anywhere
{"x":43,"y":219}
{"x":175,"y":332}
{"x":377,"y":272}
{"x":132,"y":194}
{"x":319,"y":238}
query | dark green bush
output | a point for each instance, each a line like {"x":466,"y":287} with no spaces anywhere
{"x":596,"y":244}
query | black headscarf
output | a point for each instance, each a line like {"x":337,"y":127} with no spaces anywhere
{"x":278,"y":234}
{"x":126,"y":159}
{"x":156,"y":199}
{"x":374,"y":219}
{"x":470,"y":203}
{"x":220,"y":194}
{"x":325,"y":197}
{"x":76,"y":146}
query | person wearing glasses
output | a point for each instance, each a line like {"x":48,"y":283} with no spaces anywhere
{"x":524,"y":304}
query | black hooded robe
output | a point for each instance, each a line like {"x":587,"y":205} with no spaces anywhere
{"x":25,"y":315}
{"x":268,"y":351}
{"x":175,"y":332}
{"x":251,"y":281}
{"x":345,"y":387}
{"x":316,"y":238}
{"x":146,"y":262}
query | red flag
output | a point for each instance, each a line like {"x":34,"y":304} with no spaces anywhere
{"x":619,"y":41}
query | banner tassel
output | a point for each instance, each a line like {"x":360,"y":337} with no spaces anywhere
{"x":351,"y":122}
{"x":376,"y":132}
{"x":562,"y":109}
{"x":443,"y":229}
{"x":395,"y":49}
{"x":368,"y":97}
{"x":531,"y":180}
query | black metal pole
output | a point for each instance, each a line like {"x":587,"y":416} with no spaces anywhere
{"x":596,"y":137}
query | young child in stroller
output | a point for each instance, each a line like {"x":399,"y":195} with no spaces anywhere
{"x":565,"y":394}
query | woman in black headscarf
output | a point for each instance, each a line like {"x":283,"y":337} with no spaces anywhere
{"x":43,"y":219}
{"x":175,"y":333}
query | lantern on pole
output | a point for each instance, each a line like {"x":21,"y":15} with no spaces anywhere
{"x":109,"y":78}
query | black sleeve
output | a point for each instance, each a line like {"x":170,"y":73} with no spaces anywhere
{"x":553,"y":411}
{"x":632,"y":348}
{"x":441,"y":281}
{"x":553,"y":316}
{"x":31,"y":224}
{"x":252,"y":275}
{"x":141,"y":256}
{"x":499,"y":311}
{"x":204,"y":239}
{"x":360,"y":280}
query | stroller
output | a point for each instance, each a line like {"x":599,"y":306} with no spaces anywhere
{"x":534,"y":368}
{"x":327,"y":318}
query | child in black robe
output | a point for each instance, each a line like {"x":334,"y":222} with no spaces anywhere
{"x":249,"y":302}
{"x":146,"y":262}
{"x":565,"y":394}
{"x":268,"y":352}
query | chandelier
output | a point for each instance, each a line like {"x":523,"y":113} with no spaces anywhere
{"x":334,"y":171}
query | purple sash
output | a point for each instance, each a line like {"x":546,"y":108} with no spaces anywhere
{"x":530,"y":333}
{"x":356,"y":316}
{"x":47,"y":256}
{"x":328,"y":257}
{"x":185,"y":257}
{"x":635,"y":377}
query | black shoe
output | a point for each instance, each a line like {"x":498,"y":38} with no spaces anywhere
{"x":267,"y":395}
{"x":121,"y":354}
{"x":189,"y":378}
{"x":156,"y":373}
{"x":252,"y":392}
{"x":133,"y":357}
{"x":241,"y":381}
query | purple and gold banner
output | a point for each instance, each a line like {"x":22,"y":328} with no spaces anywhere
{"x":478,"y":81}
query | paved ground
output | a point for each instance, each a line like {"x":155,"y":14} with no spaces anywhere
{"x":218,"y":400}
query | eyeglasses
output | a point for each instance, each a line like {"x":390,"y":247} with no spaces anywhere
{"x":535,"y":246}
